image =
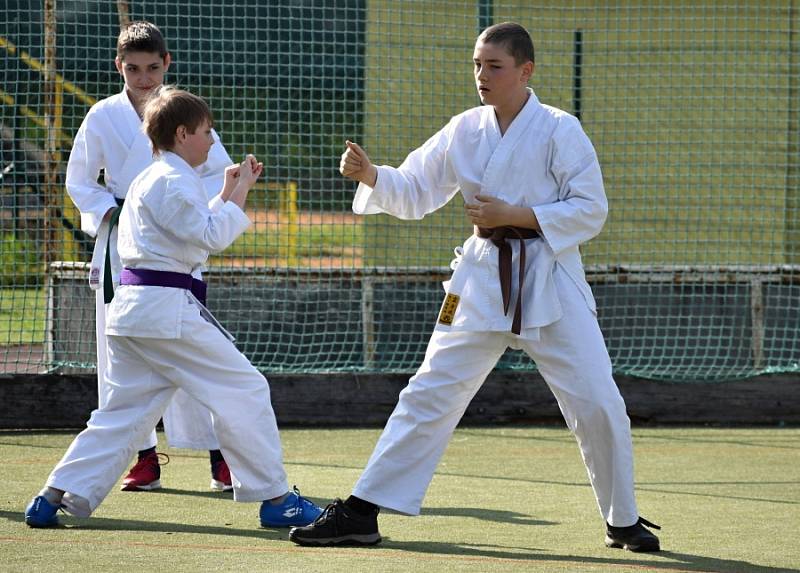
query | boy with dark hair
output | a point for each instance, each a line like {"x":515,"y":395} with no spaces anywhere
{"x":162,"y":338}
{"x":533,"y":189}
{"x":110,"y":140}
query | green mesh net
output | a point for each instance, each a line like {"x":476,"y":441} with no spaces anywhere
{"x":693,"y":108}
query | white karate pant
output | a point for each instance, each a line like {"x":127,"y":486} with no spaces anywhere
{"x":142,"y":376}
{"x":187,"y":423}
{"x":573,"y":359}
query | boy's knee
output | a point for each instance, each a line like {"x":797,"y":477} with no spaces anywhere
{"x":601,"y":404}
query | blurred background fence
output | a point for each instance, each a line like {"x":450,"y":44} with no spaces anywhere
{"x":693,"y":108}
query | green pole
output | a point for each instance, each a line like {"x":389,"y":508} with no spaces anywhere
{"x":485,"y":14}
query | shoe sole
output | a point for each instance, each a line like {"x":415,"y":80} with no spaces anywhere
{"x":220,"y":486}
{"x":269,"y":525}
{"x":146,"y":487}
{"x":353,"y":539}
{"x":611,"y":544}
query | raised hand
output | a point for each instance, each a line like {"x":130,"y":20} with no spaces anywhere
{"x":249,"y":170}
{"x":355,"y":165}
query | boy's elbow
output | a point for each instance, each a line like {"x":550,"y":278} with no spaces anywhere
{"x":214,"y":241}
{"x":597,"y":205}
{"x":602,"y":213}
{"x":593,"y":217}
{"x":599,"y":216}
{"x":218,"y":245}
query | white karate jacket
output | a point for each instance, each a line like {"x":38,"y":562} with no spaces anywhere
{"x":167,"y":224}
{"x":111,"y":138}
{"x":544,"y":161}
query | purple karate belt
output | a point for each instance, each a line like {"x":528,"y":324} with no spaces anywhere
{"x":148,"y":277}
{"x":499,"y":236}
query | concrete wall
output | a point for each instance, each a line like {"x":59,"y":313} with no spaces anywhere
{"x":505,"y":398}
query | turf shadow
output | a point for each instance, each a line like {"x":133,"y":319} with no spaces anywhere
{"x":666,"y":560}
{"x":640,"y":485}
{"x":645,"y":487}
{"x":499,"y":516}
{"x":760,"y":444}
{"x":711,"y":440}
{"x":25,"y":445}
{"x":225,"y":495}
{"x":110,"y":524}
{"x":439,"y":472}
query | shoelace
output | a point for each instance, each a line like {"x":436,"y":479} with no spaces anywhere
{"x":303,"y":502}
{"x":158,"y":459}
{"x":650,"y":524}
{"x":331,"y":512}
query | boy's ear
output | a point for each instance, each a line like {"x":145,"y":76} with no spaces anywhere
{"x":527,"y":70}
{"x":118,"y":64}
{"x":167,"y":61}
{"x":180,"y":133}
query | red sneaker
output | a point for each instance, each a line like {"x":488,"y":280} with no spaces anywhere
{"x":221,"y":476}
{"x":146,"y":474}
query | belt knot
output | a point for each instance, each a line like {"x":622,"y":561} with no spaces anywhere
{"x":500,"y":236}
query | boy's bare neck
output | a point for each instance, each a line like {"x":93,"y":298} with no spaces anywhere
{"x":138,"y":106}
{"x":506,"y":114}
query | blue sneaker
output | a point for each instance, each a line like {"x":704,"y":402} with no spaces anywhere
{"x":41,"y":513}
{"x":294,"y":511}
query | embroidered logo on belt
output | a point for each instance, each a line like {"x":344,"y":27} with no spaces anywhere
{"x":449,"y":309}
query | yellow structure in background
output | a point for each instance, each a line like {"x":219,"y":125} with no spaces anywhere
{"x":69,"y":248}
{"x":693,"y":112}
{"x":38,"y":66}
{"x":282,"y":197}
{"x":287,"y":207}
{"x":70,"y":251}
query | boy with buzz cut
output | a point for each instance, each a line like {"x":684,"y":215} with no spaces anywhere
{"x":111,"y":141}
{"x":161,"y":338}
{"x":533,"y":190}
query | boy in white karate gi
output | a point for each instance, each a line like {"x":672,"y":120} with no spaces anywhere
{"x":533,"y":189}
{"x":161,"y":338}
{"x":111,"y":140}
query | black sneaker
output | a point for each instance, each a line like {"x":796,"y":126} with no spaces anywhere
{"x":634,"y":537}
{"x":338,"y":525}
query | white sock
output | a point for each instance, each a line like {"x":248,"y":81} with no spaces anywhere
{"x":76,"y":505}
{"x":280,"y":500}
{"x":52,"y":495}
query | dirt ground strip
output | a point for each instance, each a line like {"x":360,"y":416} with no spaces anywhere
{"x":22,"y":359}
{"x":263,"y":217}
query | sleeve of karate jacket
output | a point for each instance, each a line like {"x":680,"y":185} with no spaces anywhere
{"x":184,"y":212}
{"x":212,"y":172}
{"x":83,"y":168}
{"x":582,"y":207}
{"x":423,"y":183}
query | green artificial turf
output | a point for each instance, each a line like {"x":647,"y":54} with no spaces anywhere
{"x":503,"y":499}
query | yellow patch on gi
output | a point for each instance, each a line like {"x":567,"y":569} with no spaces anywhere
{"x":448,"y":311}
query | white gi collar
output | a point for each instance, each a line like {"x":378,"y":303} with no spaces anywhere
{"x":495,"y":173}
{"x":178,"y":163}
{"x":489,"y":118}
{"x":130,"y":112}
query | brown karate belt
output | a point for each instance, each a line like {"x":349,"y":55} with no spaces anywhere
{"x":499,"y":236}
